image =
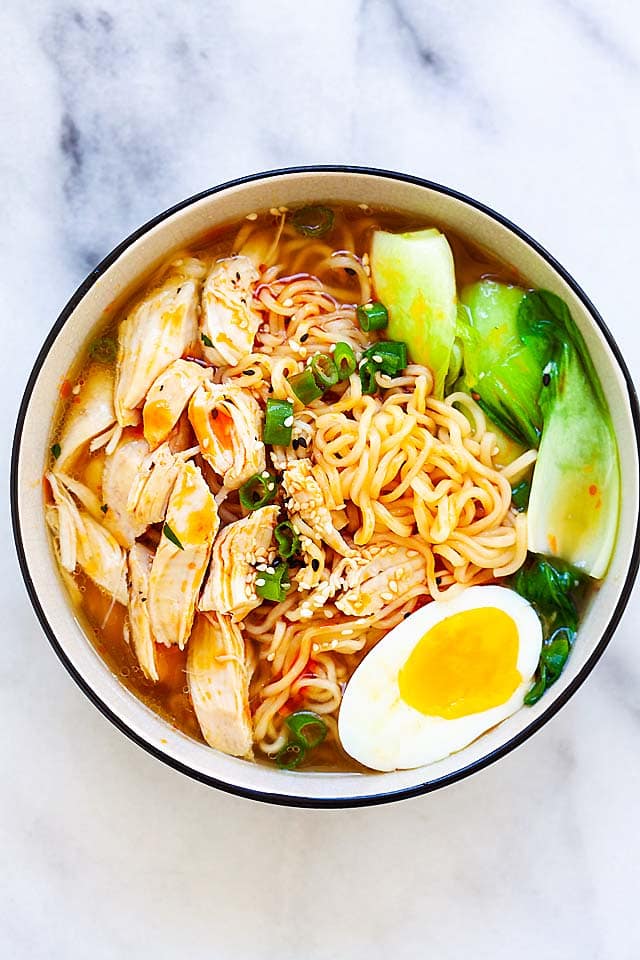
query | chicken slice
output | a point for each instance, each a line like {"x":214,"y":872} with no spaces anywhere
{"x":140,"y":561}
{"x":168,"y":396}
{"x":151,"y":488}
{"x":121,"y":470}
{"x":300,"y":447}
{"x":84,"y":542}
{"x":177,"y":571}
{"x":307,"y":508}
{"x":376,"y":577}
{"x":228,"y":322}
{"x":157,"y":331}
{"x":218,"y":678}
{"x":88,"y":416}
{"x":227,"y":422}
{"x":241,"y":545}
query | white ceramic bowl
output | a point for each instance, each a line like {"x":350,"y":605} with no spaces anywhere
{"x":133,"y":258}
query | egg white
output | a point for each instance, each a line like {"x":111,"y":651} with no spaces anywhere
{"x":381,"y":731}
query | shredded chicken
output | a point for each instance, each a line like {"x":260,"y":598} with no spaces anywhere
{"x":140,"y":561}
{"x":168,"y":396}
{"x":312,"y":519}
{"x":218,"y":677}
{"x":227,"y":422}
{"x":376,"y":577}
{"x":177,"y":571}
{"x":89,"y":416}
{"x":121,"y":470}
{"x":151,"y":488}
{"x":300,"y":448}
{"x":229,"y":323}
{"x":156,"y":332}
{"x":230,"y":586}
{"x":84,"y":542}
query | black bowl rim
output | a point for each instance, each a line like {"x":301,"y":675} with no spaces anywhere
{"x":286,"y":799}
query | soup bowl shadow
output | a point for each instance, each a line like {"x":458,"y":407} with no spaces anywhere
{"x":85,"y":312}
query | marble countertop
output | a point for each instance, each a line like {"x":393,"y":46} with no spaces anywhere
{"x":112,"y":112}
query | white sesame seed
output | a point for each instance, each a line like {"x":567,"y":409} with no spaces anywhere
{"x":412,"y":553}
{"x":393,"y":586}
{"x":288,"y":422}
{"x":271,"y":487}
{"x":260,"y":582}
{"x":332,"y":348}
{"x":334,"y":643}
{"x":315,"y":647}
{"x":270,"y":570}
{"x":288,"y":302}
{"x":346,"y":633}
{"x":377,"y":358}
{"x":265,"y":474}
{"x":387,"y":597}
{"x":252,"y":216}
{"x":271,"y":657}
{"x":329,"y":614}
{"x":274,"y":211}
{"x":76,"y":390}
{"x":262,"y":567}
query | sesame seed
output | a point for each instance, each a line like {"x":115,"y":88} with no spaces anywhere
{"x":377,"y":358}
{"x":393,"y":586}
{"x":260,"y":582}
{"x":270,"y":570}
{"x":346,"y":633}
{"x":252,"y":216}
{"x":304,"y":337}
{"x":315,"y":647}
{"x":271,"y":487}
{"x":271,"y":657}
{"x":387,"y":597}
{"x":274,"y":211}
{"x":334,"y":643}
{"x":262,"y":567}
{"x":315,"y":564}
{"x":329,"y":614}
{"x":288,"y":302}
{"x":332,"y":348}
{"x":76,"y":390}
{"x":412,"y":553}
{"x":288,"y":422}
{"x":265,"y":474}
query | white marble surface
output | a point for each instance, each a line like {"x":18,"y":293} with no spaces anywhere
{"x":112,"y":112}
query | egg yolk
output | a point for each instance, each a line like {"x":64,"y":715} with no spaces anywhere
{"x":465,"y":664}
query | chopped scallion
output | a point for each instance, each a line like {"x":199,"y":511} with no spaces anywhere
{"x":324,"y":370}
{"x":372,"y":316}
{"x":314,"y":220}
{"x":304,"y":386}
{"x":278,"y":423}
{"x":287,"y":540}
{"x":345,"y":360}
{"x":273,"y":586}
{"x":208,"y":342}
{"x":291,"y":756}
{"x":258,"y":491}
{"x":307,"y":727}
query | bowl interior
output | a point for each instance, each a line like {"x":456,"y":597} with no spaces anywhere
{"x":87,"y":311}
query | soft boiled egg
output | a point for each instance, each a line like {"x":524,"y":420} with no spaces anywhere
{"x":449,"y":672}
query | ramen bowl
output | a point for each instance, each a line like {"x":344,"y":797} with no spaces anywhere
{"x":134,"y":258}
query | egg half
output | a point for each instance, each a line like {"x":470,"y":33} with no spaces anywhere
{"x":449,"y":672}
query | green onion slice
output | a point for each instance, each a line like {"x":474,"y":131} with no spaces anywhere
{"x":287,"y":540}
{"x":208,"y":342}
{"x":324,"y":370}
{"x":307,"y":727}
{"x":278,"y":423}
{"x":104,"y":350}
{"x":258,"y":491}
{"x":170,"y":535}
{"x":273,"y":586}
{"x":520,"y":495}
{"x":291,"y":756}
{"x":368,"y":377}
{"x":389,"y":356}
{"x":313,"y":221}
{"x":345,"y":360}
{"x":372,"y":316}
{"x":304,"y":386}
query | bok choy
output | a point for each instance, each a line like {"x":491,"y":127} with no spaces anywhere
{"x":528,"y":367}
{"x":414,"y":277}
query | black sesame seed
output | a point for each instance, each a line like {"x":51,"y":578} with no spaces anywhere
{"x":546,"y":379}
{"x":315,"y":564}
{"x":295,"y":443}
{"x":302,"y":443}
{"x":249,"y":373}
{"x":350,"y":271}
{"x":438,"y":581}
{"x":269,"y":389}
{"x":304,"y":337}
